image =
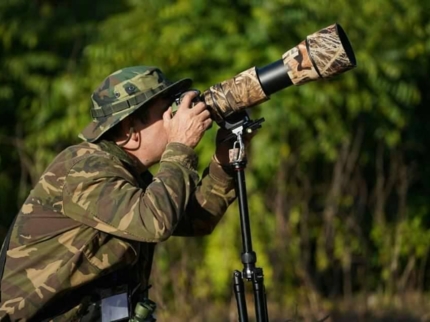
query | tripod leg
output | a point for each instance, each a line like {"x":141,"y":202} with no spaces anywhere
{"x":239,"y":292}
{"x":260,"y":296}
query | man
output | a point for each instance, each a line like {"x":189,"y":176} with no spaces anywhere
{"x":87,"y":231}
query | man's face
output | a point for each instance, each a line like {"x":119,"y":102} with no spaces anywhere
{"x":153,"y":133}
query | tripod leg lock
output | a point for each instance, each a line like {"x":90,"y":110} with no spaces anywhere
{"x":249,"y":258}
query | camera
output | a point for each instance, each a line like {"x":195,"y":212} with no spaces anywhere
{"x":321,"y":55}
{"x":177,"y":100}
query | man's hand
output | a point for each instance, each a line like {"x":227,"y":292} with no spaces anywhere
{"x":190,"y":121}
{"x":222,"y":148}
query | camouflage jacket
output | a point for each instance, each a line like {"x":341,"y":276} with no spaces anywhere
{"x":91,"y":214}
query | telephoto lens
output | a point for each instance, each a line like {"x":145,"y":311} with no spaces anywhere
{"x":321,"y":55}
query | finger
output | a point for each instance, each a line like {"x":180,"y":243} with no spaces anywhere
{"x":205,"y":114}
{"x":207,"y":123}
{"x":167,"y":115}
{"x":186,"y":100}
{"x":199,"y":108}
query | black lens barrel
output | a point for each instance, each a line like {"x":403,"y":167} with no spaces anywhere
{"x":274,"y":77}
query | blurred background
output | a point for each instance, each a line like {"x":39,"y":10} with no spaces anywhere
{"x":338,"y":177}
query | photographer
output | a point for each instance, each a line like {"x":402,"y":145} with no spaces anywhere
{"x":87,"y":231}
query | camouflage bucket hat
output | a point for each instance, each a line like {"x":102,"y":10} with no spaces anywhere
{"x":123,"y":92}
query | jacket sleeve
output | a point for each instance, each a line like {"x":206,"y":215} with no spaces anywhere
{"x":100,"y":192}
{"x":207,"y":205}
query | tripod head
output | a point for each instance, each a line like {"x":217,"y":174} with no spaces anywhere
{"x":239,"y":124}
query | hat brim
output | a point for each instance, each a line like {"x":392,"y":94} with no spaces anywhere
{"x":97,"y":128}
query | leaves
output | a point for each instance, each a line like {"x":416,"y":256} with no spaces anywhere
{"x":327,"y":162}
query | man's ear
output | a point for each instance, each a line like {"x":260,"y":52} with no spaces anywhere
{"x":128,"y":132}
{"x":130,"y":126}
{"x":133,"y":130}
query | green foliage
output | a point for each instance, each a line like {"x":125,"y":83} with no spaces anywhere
{"x":325,"y":172}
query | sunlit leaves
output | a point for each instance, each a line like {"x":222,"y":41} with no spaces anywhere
{"x":54,"y":54}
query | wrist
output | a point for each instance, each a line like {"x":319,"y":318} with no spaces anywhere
{"x":222,"y":158}
{"x":221,"y":172}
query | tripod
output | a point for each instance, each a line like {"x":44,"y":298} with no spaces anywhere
{"x":239,"y":125}
{"x":249,"y":258}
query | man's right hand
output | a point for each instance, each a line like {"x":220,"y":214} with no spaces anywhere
{"x":190,"y":121}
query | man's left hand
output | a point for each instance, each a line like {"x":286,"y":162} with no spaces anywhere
{"x":223,"y":147}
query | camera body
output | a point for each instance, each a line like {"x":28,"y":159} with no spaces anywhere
{"x":180,"y":96}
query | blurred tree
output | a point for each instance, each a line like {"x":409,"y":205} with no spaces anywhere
{"x":337,"y":176}
{"x":41,"y":50}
